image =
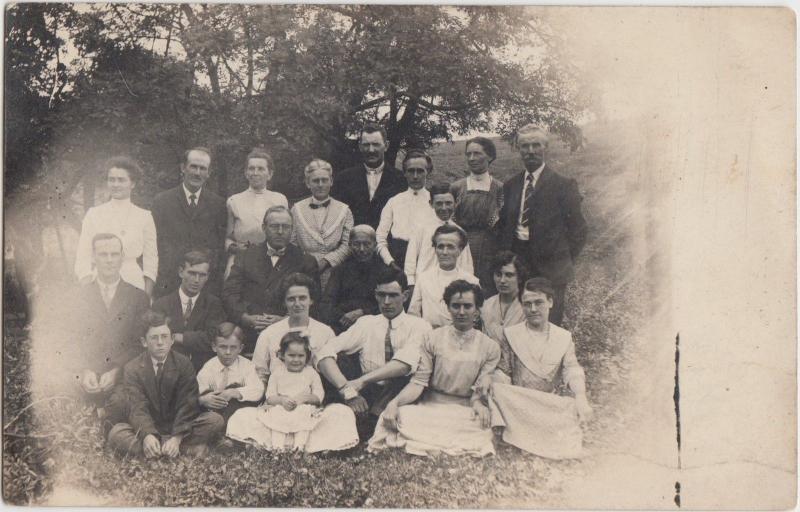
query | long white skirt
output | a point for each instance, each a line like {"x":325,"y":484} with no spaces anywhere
{"x":333,"y":429}
{"x":541,"y":423}
{"x":430,"y":428}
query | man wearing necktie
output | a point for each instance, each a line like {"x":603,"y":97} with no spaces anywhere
{"x":366,"y":188}
{"x":252,"y":292}
{"x":104,"y":334}
{"x":193,"y":311}
{"x":387,"y":350}
{"x":190,"y":217}
{"x":541,"y":219}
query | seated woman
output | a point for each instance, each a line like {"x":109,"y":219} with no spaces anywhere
{"x":291,"y":417}
{"x":322,"y":224}
{"x":299,"y":293}
{"x":450,"y":417}
{"x":504,"y":310}
{"x":538,"y":357}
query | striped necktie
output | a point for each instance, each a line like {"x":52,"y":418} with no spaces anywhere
{"x":528,"y":204}
{"x":387,"y":343}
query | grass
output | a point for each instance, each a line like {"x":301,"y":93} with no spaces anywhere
{"x":54,"y":450}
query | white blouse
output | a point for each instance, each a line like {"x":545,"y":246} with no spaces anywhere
{"x":427,"y":301}
{"x":134,"y":226}
{"x":246,"y":214}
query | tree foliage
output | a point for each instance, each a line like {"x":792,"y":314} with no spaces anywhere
{"x":151,"y":79}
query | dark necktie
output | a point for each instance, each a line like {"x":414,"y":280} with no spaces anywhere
{"x":188,"y":312}
{"x":159,"y":372}
{"x":387,"y":343}
{"x":192,"y":201}
{"x":528,"y":204}
{"x":323,"y":204}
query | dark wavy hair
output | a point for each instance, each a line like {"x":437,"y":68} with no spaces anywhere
{"x":294,"y":337}
{"x":462,"y":286}
{"x":504,"y":258}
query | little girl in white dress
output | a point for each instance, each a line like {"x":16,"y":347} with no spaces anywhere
{"x":294,"y":395}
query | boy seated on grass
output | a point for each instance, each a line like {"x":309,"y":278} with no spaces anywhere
{"x":229,"y":381}
{"x":160,"y":395}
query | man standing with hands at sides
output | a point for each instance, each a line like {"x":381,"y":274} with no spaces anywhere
{"x":421,"y":255}
{"x":388,"y":352}
{"x":405,"y":215}
{"x":194,"y":313}
{"x":366,"y":188}
{"x":252,"y":292}
{"x":106,"y":321}
{"x":541,"y":219}
{"x":189,"y":217}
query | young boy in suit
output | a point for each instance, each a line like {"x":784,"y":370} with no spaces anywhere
{"x":160,"y":395}
{"x":229,"y":381}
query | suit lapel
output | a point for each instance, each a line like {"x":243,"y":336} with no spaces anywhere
{"x":176,"y":312}
{"x":119,"y":300}
{"x":515,"y":196}
{"x":542,"y":182}
{"x":198,"y":310}
{"x":180,"y":198}
{"x":169,"y":376}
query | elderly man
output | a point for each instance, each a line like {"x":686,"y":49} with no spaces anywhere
{"x":366,"y":188}
{"x":541,"y":219}
{"x":387,"y":346}
{"x":105,"y":334}
{"x":350,"y":293}
{"x":251,"y":294}
{"x":189,"y":217}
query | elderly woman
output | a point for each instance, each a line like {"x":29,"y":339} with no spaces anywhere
{"x":448,"y":414}
{"x":479,"y":198}
{"x":133,"y":225}
{"x":539,"y":357}
{"x":322,"y":224}
{"x":246,"y":209}
{"x":504,"y":310}
{"x":336,"y":429}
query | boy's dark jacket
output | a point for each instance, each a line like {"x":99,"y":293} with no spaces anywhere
{"x":169,"y":412}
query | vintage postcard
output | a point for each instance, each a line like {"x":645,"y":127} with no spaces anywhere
{"x":399,"y":256}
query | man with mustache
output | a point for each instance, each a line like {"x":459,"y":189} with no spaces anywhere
{"x":367,"y":188}
{"x":189,"y":217}
{"x":541,"y":219}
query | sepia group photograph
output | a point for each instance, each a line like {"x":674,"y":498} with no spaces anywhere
{"x":399,"y":256}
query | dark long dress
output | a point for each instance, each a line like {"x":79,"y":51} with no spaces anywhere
{"x":477,"y":211}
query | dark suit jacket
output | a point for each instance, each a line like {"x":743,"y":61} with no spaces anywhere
{"x":351,"y":286}
{"x":557,"y":224}
{"x":172,"y":410}
{"x":201,"y":328}
{"x":253,"y":285}
{"x":178,"y":231}
{"x":107,"y":339}
{"x":350,"y":187}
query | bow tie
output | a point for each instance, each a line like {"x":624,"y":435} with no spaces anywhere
{"x":323,"y":204}
{"x":275,"y":252}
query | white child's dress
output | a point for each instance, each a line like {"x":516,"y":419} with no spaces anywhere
{"x":304,"y":417}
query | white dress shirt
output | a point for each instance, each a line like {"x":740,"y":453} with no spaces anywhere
{"x":428,"y":302}
{"x":403,"y":216}
{"x":185,"y":300}
{"x":421,"y":256}
{"x":373,"y":179}
{"x":134,"y":226}
{"x":522,"y":231}
{"x":108,"y":290}
{"x":241,"y":375}
{"x":367,"y":337}
{"x":269,"y":341}
{"x":188,"y":193}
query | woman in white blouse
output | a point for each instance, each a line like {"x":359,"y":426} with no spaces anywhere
{"x":246,"y":209}
{"x":133,"y":225}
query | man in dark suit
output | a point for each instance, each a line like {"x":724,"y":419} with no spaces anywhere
{"x":366,"y":188}
{"x":541,"y":219}
{"x":189,"y":217}
{"x":106,"y":322}
{"x":194,"y":314}
{"x":160,"y":395}
{"x":252,"y":292}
